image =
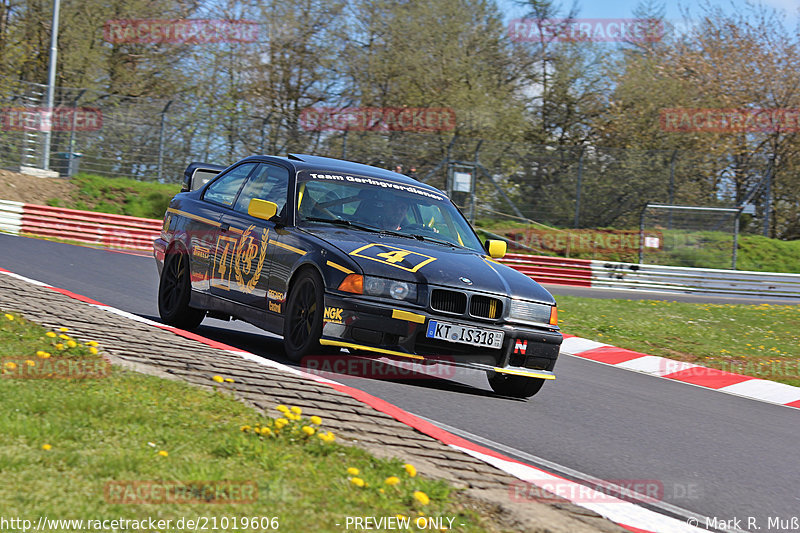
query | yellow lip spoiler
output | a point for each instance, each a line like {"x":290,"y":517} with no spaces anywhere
{"x":511,"y":370}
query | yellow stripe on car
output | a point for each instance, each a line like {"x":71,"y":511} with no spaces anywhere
{"x":526,"y":373}
{"x":339,"y":267}
{"x":406,"y":315}
{"x":326,"y":342}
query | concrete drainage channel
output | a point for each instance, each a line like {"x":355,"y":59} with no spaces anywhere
{"x":151,"y":348}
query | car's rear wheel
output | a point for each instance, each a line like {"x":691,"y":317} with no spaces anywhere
{"x":174,"y":291}
{"x":515,"y":386}
{"x":302,"y":325}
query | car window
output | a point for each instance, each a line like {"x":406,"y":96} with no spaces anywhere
{"x":268,"y":182}
{"x":224,"y":189}
{"x":382,"y":204}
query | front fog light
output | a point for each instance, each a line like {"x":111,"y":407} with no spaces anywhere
{"x":399,"y":290}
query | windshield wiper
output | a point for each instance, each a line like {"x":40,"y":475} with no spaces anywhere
{"x":343,"y":222}
{"x":436,"y":241}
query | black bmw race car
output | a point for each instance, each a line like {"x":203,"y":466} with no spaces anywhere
{"x":332,"y":254}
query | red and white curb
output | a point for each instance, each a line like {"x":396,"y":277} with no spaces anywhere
{"x":709,"y":378}
{"x":628,"y":515}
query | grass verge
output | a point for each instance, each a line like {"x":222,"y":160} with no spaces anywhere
{"x":119,"y":196}
{"x":757,"y":340}
{"x":71,"y":449}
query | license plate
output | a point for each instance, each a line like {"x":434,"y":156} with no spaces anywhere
{"x":465,"y":335}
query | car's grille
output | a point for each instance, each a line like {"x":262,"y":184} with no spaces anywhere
{"x":448,"y":301}
{"x":485,"y":307}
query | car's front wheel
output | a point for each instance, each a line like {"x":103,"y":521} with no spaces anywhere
{"x":515,"y":386}
{"x":302,"y":325}
{"x":174,"y":291}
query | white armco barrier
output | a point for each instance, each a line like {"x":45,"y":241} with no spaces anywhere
{"x":10,"y":216}
{"x":697,"y":280}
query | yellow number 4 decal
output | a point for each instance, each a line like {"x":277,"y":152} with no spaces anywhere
{"x":394,"y":257}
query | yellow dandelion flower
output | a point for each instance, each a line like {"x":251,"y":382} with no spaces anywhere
{"x":92,"y":350}
{"x":308,"y":430}
{"x":421,"y":497}
{"x":51,"y":334}
{"x":229,"y":380}
{"x":326,"y":437}
{"x":280,"y":423}
{"x":59,"y":346}
{"x":11,"y":365}
{"x":71,"y":344}
{"x":9,"y":317}
{"x":400,"y":516}
{"x":42,"y":354}
{"x":392,"y":480}
{"x":353,"y":471}
{"x":266,"y":432}
{"x":46,"y":447}
{"x":245,"y":428}
{"x":30,"y":363}
{"x":65,"y":337}
{"x":94,"y":344}
{"x":297,"y":410}
{"x":316,"y":420}
{"x":382,"y":491}
{"x":63,"y":330}
{"x":410,"y":470}
{"x":218,"y":379}
{"x":357,"y":481}
{"x":282,"y":408}
{"x":163,"y":453}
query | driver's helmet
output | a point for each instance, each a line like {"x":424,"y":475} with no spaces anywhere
{"x":382,"y":209}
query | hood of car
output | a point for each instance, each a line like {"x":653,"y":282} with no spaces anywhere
{"x":409,"y":259}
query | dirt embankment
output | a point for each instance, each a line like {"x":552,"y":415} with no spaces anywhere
{"x":32,"y":190}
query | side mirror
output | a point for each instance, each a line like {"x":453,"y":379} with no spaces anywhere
{"x":496,"y":249}
{"x":262,"y":209}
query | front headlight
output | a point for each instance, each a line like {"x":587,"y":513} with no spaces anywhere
{"x":522,"y":311}
{"x":388,"y":288}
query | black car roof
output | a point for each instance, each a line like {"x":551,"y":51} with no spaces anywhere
{"x":315,"y":162}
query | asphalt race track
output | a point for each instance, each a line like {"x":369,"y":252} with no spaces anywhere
{"x":714,"y":454}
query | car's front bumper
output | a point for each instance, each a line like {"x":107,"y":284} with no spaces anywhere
{"x":394,"y":331}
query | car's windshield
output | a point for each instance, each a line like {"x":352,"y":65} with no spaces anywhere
{"x":383,"y":205}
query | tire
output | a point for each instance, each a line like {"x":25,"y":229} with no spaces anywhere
{"x":515,"y":386}
{"x":174,"y":292}
{"x":302,"y":326}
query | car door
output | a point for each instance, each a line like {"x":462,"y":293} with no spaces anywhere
{"x":249,"y":239}
{"x":219,"y":198}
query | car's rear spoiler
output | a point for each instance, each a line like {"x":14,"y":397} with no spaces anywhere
{"x":198,"y":174}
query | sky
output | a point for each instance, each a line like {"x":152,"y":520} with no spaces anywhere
{"x":674,"y":11}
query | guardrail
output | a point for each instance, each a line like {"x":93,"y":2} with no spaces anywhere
{"x":120,"y":231}
{"x":114,"y":231}
{"x":11,"y":216}
{"x":694,"y":280}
